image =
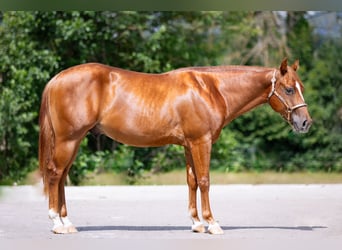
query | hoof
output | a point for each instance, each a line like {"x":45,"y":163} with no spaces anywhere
{"x":65,"y":230}
{"x":71,"y":229}
{"x":60,"y":230}
{"x":198,"y":227}
{"x":215,"y":229}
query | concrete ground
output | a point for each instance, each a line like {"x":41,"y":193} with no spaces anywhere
{"x":247,"y":213}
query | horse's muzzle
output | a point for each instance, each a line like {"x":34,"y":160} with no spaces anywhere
{"x":301,"y":125}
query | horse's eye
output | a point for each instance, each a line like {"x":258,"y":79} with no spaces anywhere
{"x":289,"y":91}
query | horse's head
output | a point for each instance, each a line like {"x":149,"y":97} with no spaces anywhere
{"x":286,"y":97}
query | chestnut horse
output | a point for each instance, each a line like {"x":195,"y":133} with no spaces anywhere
{"x":187,"y":107}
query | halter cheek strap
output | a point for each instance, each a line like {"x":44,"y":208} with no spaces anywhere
{"x":282,"y":100}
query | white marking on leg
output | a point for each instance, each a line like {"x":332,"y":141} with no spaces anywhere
{"x":215,"y":228}
{"x":68,"y":226}
{"x":196,"y":225}
{"x":56,"y":219}
{"x":190,"y":171}
{"x":299,"y":91}
{"x":66,"y":221}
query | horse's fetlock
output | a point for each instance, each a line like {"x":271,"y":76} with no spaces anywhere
{"x":207,"y":215}
{"x":193,"y":212}
{"x":53,"y":214}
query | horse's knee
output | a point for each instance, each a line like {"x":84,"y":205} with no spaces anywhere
{"x":192,"y":184}
{"x":53,"y":175}
{"x":204,"y":184}
{"x":191,"y":180}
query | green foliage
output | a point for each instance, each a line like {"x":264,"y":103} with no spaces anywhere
{"x":14,"y":129}
{"x":325,"y":142}
{"x":124,"y":159}
{"x":34,"y":46}
{"x":227,"y":153}
{"x":24,"y":69}
{"x":300,"y":39}
{"x":276,"y":146}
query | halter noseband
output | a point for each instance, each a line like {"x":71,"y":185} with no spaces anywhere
{"x":282,"y":100}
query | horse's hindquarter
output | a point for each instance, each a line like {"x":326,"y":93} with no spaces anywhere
{"x":74,"y":100}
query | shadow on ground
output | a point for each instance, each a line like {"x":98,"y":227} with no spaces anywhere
{"x":182,"y":228}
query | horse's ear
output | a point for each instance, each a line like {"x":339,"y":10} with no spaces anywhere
{"x":283,"y":66}
{"x":295,"y":66}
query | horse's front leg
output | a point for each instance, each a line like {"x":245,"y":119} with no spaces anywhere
{"x":201,"y":161}
{"x":197,"y":226}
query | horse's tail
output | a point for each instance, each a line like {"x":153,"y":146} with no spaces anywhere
{"x":46,"y":139}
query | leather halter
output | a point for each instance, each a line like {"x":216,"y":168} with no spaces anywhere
{"x":282,"y":100}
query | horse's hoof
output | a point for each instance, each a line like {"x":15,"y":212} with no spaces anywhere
{"x":215,"y":229}
{"x":60,"y":230}
{"x":64,"y":230}
{"x":198,"y":227}
{"x":72,"y":229}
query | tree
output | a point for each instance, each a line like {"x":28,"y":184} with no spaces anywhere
{"x":325,"y":143}
{"x":23,"y":68}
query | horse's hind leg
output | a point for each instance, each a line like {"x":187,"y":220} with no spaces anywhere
{"x":68,"y":226}
{"x":65,"y":152}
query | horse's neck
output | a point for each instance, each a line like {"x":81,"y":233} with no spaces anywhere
{"x":244,"y":90}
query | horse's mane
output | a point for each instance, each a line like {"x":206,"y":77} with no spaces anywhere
{"x":219,"y":69}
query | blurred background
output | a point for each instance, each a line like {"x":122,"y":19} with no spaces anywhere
{"x":34,"y":46}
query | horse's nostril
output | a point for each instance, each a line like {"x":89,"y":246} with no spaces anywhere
{"x":305,"y":123}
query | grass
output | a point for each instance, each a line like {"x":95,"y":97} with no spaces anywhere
{"x":178,"y":177}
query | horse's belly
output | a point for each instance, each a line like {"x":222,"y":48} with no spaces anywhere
{"x":133,"y":138}
{"x":142,"y":134}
